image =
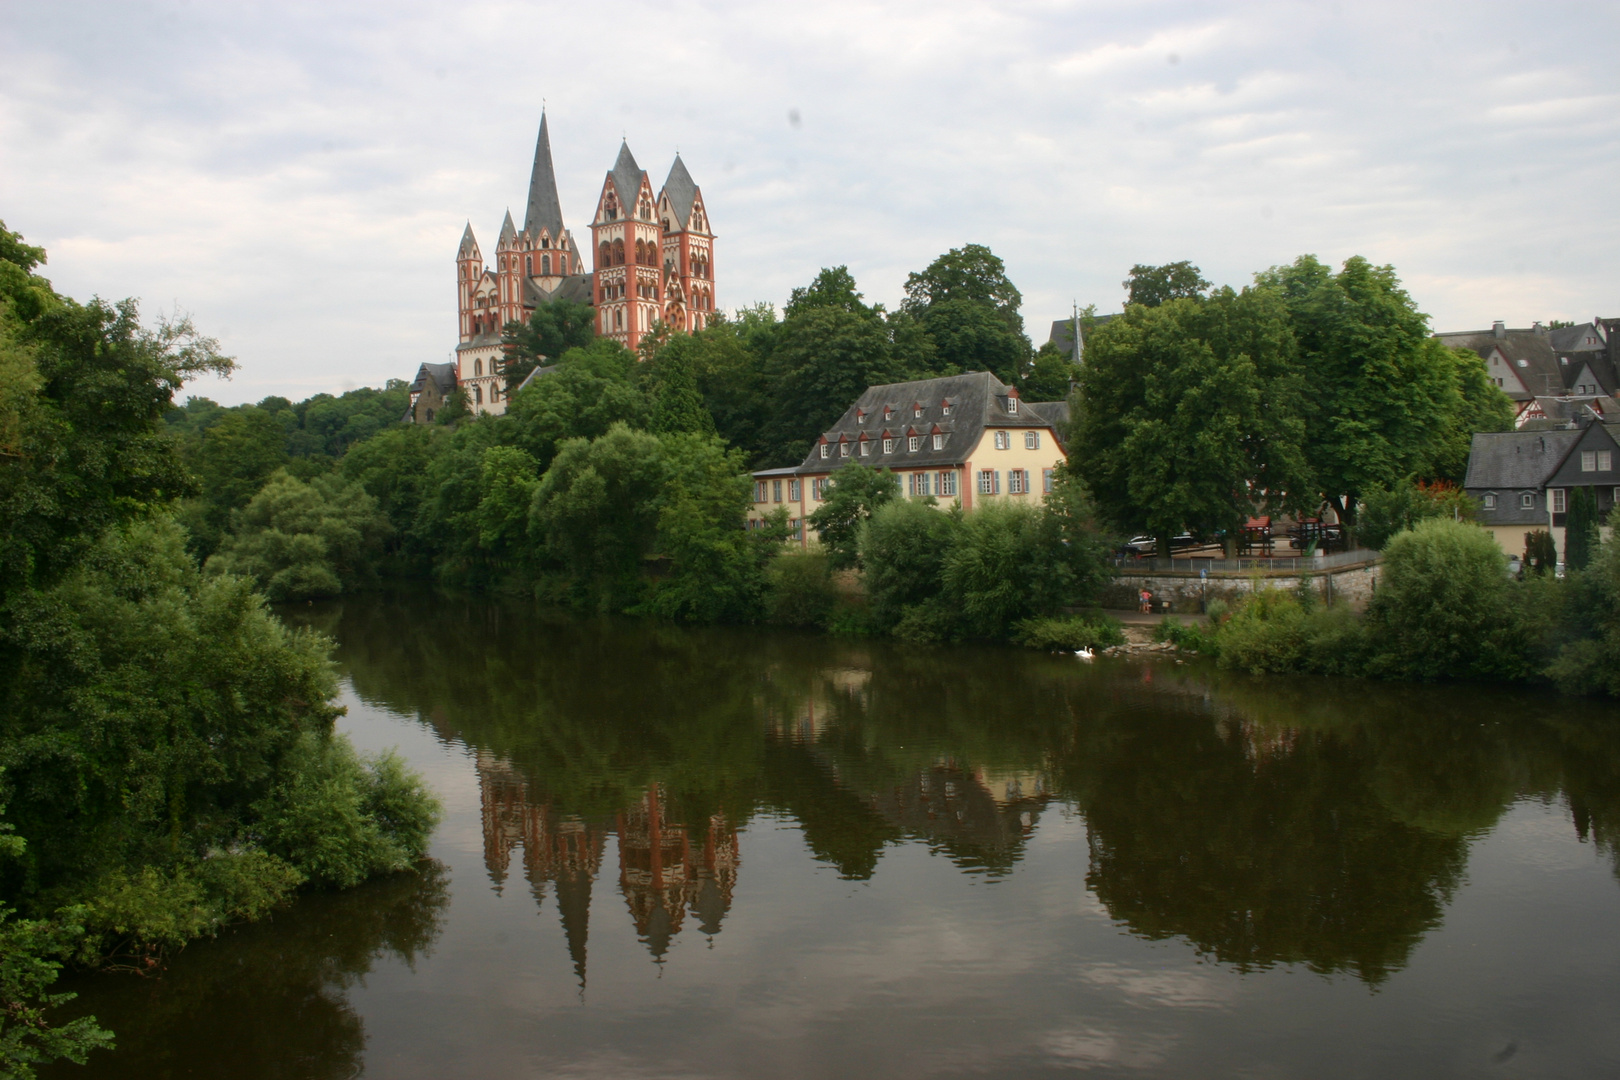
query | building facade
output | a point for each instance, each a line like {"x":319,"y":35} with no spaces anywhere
{"x":967,"y":438}
{"x":1522,"y":480}
{"x":1551,"y":374}
{"x":652,"y":260}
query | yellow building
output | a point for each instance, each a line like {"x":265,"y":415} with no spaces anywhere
{"x":967,"y":438}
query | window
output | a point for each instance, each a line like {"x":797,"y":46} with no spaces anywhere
{"x":939,"y":442}
{"x":1557,"y":494}
{"x":917,"y":483}
{"x":759,"y":491}
{"x":824,"y":451}
{"x":913,"y":444}
{"x":888,"y":413}
{"x":843,"y":449}
{"x":545,"y":265}
{"x":1046,"y":481}
{"x":945,"y":410}
{"x":947,"y":483}
{"x":916,"y":412}
{"x":796,"y":528}
{"x":866,"y":447}
{"x":776,"y":491}
{"x":888,"y":446}
{"x":817,"y":486}
{"x":1017,"y":482}
{"x":795,"y":490}
{"x":1012,"y":405}
{"x":860,"y":417}
{"x":1489,"y":502}
{"x":989,"y":482}
{"x":1032,"y":440}
{"x":1003,"y":440}
{"x":1605,"y":461}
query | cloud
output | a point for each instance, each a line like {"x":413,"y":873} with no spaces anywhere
{"x":297,"y":175}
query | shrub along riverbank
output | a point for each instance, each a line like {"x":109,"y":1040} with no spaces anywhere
{"x":167,"y":758}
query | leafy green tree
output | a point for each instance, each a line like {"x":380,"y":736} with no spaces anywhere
{"x":834,"y":288}
{"x":1151,"y":286}
{"x":1388,"y":511}
{"x":551,"y":331}
{"x":849,"y":497}
{"x":1051,"y":377}
{"x":509,"y":477}
{"x":799,"y":588}
{"x":1481,"y":406}
{"x":298,"y":539}
{"x":30,"y":958}
{"x":1588,"y":663}
{"x":677,"y":406}
{"x":393,"y":467}
{"x":825,"y":359}
{"x":716,"y":566}
{"x":1187,"y":411}
{"x":1580,"y":529}
{"x":727,"y":358}
{"x":969,"y":308}
{"x":234,"y":458}
{"x":903,"y":546}
{"x":1383,"y":395}
{"x":597,"y":512}
{"x":592,"y":389}
{"x":1540,"y":553}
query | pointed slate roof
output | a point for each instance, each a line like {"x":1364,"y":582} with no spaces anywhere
{"x":545,"y":209}
{"x":469,"y":246}
{"x":680,"y":189}
{"x":627,"y":177}
{"x":508,"y":230}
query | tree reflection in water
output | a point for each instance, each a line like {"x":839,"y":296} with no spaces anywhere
{"x":1265,"y":821}
{"x":265,"y":1002}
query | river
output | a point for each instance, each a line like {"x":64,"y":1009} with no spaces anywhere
{"x":749,"y":853}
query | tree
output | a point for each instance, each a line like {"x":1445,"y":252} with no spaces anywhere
{"x":233,"y":459}
{"x":298,"y":540}
{"x":1540,"y":553}
{"x":507,"y":482}
{"x":1151,"y":286}
{"x":1388,"y":511}
{"x":1051,"y":377}
{"x":1580,"y":529}
{"x":551,"y":331}
{"x":834,"y":288}
{"x":1481,"y":406}
{"x":1188,"y":411}
{"x":1383,"y":396}
{"x":850,"y":496}
{"x":597,"y":511}
{"x":826,"y":358}
{"x":592,"y":389}
{"x":673,"y":390}
{"x":1007,"y":564}
{"x":968,"y":307}
{"x":902,"y":553}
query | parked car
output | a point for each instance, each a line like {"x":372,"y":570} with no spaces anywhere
{"x":1146,"y":546}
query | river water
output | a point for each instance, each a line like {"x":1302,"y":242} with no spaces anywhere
{"x":749,"y":853}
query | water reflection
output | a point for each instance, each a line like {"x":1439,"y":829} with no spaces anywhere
{"x":1266,"y":822}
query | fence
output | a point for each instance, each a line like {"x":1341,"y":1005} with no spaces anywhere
{"x":1286,"y":564}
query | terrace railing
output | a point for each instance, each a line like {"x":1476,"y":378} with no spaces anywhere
{"x":1282,"y":564}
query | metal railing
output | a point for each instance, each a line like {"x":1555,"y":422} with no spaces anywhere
{"x":1282,"y":564}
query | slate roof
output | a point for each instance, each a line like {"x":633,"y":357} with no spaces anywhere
{"x":1540,"y":371}
{"x":977,"y":400}
{"x":1500,"y":460}
{"x":681,"y":191}
{"x":1062,"y":334}
{"x":575,"y":287}
{"x":1569,"y":339}
{"x":627,"y":179}
{"x":508,"y":230}
{"x":1055,"y":412}
{"x":545,"y":209}
{"x":469,"y":246}
{"x":442,"y":375}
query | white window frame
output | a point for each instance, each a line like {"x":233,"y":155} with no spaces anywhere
{"x":946,"y":484}
{"x":1012,"y":405}
{"x":987,"y":481}
{"x":759,"y":491}
{"x":888,"y":446}
{"x":913,"y":443}
{"x":1588,"y":461}
{"x":939,"y":442}
{"x":1003,"y":440}
{"x":795,"y":490}
{"x":1017,"y":482}
{"x":1032,"y":440}
{"x":823,"y":451}
{"x":776,"y":491}
{"x":843,"y":449}
{"x":866,"y":447}
{"x":1605,"y":461}
{"x":1558,"y":500}
{"x":1046,"y":481}
{"x":818,"y":488}
{"x":1489,"y":501}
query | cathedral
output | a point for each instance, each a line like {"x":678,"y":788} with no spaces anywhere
{"x":652,"y":257}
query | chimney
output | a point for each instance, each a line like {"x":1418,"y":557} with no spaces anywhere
{"x":1537,"y":327}
{"x":1499,"y":329}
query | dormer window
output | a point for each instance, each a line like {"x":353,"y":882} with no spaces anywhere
{"x":916,"y":412}
{"x":1012,"y":405}
{"x":939,"y":442}
{"x":843,"y":449}
{"x":860,"y":417}
{"x":1489,"y":501}
{"x":823,"y":451}
{"x":888,"y":413}
{"x":888,"y":446}
{"x":1527,"y":501}
{"x":866,"y":447}
{"x":913,"y":444}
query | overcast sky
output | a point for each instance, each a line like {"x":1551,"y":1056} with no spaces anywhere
{"x":297,"y":176}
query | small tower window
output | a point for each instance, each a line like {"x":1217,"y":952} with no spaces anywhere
{"x":545,"y":265}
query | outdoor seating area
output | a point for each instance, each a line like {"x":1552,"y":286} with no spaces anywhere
{"x":1262,"y":537}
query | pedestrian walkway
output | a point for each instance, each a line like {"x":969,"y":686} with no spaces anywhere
{"x":1142,"y":618}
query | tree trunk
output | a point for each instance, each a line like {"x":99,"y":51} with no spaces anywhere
{"x":1164,"y":546}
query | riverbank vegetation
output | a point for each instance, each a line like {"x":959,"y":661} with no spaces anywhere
{"x":167,"y":758}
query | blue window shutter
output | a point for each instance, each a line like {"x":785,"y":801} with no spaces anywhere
{"x":996,"y":487}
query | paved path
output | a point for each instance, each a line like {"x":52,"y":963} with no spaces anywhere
{"x":1138,"y":618}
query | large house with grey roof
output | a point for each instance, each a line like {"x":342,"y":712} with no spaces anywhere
{"x":968,"y":438}
{"x":1552,"y":375}
{"x":1522,"y":480}
{"x":652,"y":261}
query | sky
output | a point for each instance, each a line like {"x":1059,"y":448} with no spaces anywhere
{"x":296,"y":176}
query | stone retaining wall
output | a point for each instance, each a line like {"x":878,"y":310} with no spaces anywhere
{"x":1187,"y":591}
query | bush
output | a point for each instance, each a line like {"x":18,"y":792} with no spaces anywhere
{"x":1443,"y":608}
{"x":1272,"y":631}
{"x":1008,"y":563}
{"x":1069,"y":633}
{"x":902,"y":551}
{"x":800,"y":590}
{"x":1590,"y":664}
{"x":1387,"y":511}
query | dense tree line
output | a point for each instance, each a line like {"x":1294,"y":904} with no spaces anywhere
{"x":167,"y":759}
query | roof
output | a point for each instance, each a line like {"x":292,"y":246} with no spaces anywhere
{"x":1516,"y":459}
{"x":469,"y":246}
{"x":681,"y":191}
{"x":441,"y":375}
{"x":1573,"y":338}
{"x":976,"y":399}
{"x":627,"y":176}
{"x":1528,"y":351}
{"x":508,"y":230}
{"x":535,"y":373}
{"x":545,"y":209}
{"x":575,"y":287}
{"x":1055,"y":412}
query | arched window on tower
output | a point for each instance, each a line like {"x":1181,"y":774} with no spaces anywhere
{"x":545,"y":265}
{"x":478,"y":396}
{"x":606,"y":255}
{"x":618,"y":252}
{"x":528,"y":265}
{"x":641,"y":253}
{"x":618,"y":319}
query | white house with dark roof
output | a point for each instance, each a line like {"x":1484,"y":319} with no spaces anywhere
{"x":1522,"y":480}
{"x":967,"y":438}
{"x":1550,"y":374}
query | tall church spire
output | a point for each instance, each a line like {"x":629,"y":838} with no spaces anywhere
{"x":627,"y":177}
{"x":545,"y":209}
